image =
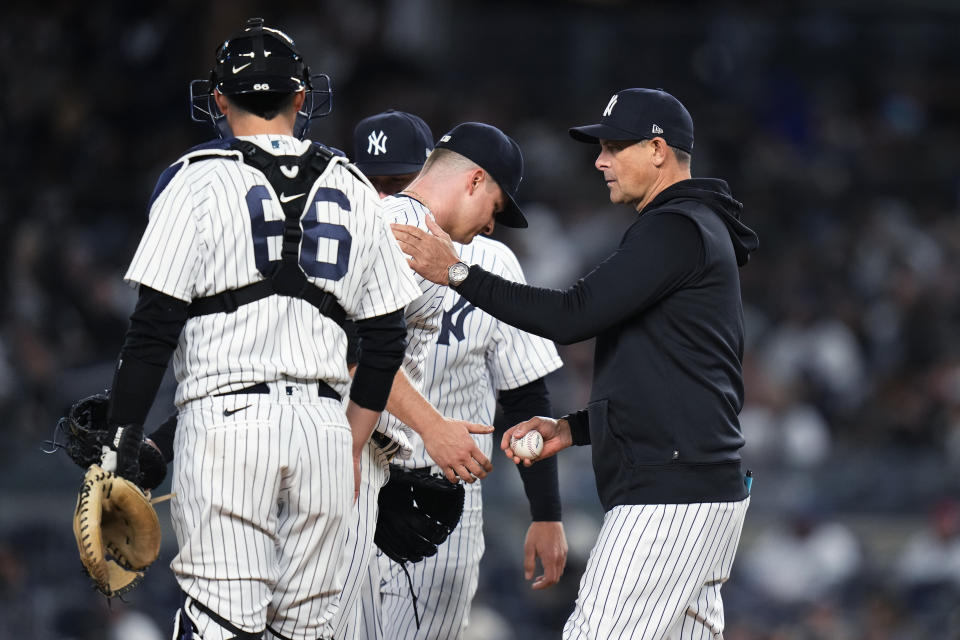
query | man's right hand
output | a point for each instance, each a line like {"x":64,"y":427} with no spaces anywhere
{"x":455,"y":452}
{"x":556,"y":437}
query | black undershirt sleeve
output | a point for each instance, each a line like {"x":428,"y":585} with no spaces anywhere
{"x":540,"y":481}
{"x":154,"y":330}
{"x":381,"y":341}
{"x":657,"y":255}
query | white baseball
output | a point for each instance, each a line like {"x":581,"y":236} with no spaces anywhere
{"x":529,"y":446}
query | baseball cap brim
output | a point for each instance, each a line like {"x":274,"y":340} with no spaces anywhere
{"x":511,"y":216}
{"x":593,"y":133}
{"x":388,"y":168}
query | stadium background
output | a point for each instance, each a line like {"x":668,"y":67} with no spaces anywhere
{"x":836,"y":123}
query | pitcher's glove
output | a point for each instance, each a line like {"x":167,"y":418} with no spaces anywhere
{"x":117,"y":531}
{"x":417,"y":513}
{"x":90,"y":439}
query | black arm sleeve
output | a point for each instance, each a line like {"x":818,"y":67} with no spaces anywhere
{"x":162,"y":436}
{"x":381,"y":341}
{"x":579,"y":427}
{"x":155,"y":327}
{"x":540,"y":481}
{"x":655,"y":257}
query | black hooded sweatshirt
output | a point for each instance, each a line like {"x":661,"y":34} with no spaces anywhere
{"x":665,"y":308}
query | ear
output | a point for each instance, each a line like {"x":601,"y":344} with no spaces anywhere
{"x":222,"y":103}
{"x":658,"y":151}
{"x":298,"y":98}
{"x":477,"y":177}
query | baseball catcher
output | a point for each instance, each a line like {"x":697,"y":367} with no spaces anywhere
{"x":417,"y":513}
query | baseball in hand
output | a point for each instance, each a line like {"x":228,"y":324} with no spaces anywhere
{"x":527,"y":447}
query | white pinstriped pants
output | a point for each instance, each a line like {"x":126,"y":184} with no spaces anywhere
{"x":263,"y":499}
{"x":656,"y":573}
{"x":360,"y":549}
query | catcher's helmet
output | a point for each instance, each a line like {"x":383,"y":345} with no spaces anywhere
{"x":259,"y":59}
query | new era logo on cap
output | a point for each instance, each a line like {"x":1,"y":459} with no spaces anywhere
{"x":641,"y":114}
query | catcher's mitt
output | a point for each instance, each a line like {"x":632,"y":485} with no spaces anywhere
{"x":417,"y":512}
{"x":117,"y":531}
{"x":87,"y":432}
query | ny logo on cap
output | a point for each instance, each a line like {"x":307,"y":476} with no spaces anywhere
{"x":610,"y":105}
{"x":376,"y":143}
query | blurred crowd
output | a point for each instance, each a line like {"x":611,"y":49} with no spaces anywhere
{"x":836,"y":127}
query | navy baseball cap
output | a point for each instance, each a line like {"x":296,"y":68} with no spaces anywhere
{"x":391,"y":143}
{"x":641,"y":114}
{"x":499,"y":155}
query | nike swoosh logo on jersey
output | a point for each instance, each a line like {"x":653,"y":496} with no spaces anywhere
{"x":229,"y":412}
{"x":285,"y":199}
{"x":237,"y":69}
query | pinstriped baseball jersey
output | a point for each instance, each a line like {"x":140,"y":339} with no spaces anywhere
{"x":475,"y":354}
{"x":217,"y":224}
{"x":422,"y":315}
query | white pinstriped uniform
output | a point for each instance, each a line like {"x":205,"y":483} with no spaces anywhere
{"x":629,"y":592}
{"x":423,"y":317}
{"x":263,"y":482}
{"x":198,"y":243}
{"x":475,"y":355}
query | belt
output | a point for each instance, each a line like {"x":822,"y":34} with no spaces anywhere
{"x":323,"y":390}
{"x":389,"y":447}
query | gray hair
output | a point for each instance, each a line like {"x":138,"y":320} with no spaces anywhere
{"x":683,"y":157}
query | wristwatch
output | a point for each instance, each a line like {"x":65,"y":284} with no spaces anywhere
{"x":457,"y":273}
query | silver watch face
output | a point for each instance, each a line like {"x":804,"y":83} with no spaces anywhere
{"x":457,"y":273}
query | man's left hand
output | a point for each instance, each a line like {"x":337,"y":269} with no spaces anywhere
{"x":431,"y":254}
{"x":547,"y":541}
